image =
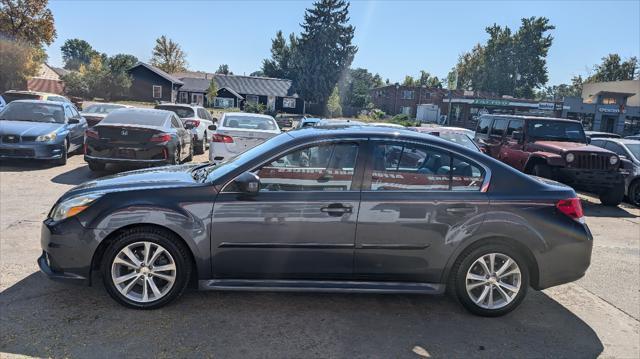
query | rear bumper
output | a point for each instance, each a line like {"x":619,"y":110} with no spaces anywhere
{"x":142,"y":154}
{"x":44,"y":151}
{"x":589,"y":180}
{"x":125,"y":161}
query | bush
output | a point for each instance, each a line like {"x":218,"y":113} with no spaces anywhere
{"x":403,"y":120}
{"x":255,"y":108}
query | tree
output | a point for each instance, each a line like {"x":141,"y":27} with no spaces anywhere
{"x":104,"y":77}
{"x":75,"y":84}
{"x":324,"y":50}
{"x":20,"y":61}
{"x":280,"y":64}
{"x":355,"y":86}
{"x":531,"y":47}
{"x":27,"y":20}
{"x":334,"y":108}
{"x":224,"y":70}
{"x":429,"y":81}
{"x":257,"y":73}
{"x":119,"y":80}
{"x":409,"y":81}
{"x":613,"y":68}
{"x":212,"y":92}
{"x":559,"y":92}
{"x":76,"y":52}
{"x":168,"y":56}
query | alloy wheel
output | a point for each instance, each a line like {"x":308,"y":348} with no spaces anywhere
{"x":493,"y":281}
{"x":143,"y":272}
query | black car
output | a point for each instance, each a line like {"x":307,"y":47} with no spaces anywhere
{"x":357,"y":209}
{"x":45,"y":130}
{"x":138,"y":136}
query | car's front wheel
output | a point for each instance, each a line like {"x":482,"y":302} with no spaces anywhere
{"x":613,"y":196}
{"x":490,"y":280}
{"x":145,"y":268}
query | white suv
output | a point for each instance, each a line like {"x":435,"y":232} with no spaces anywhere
{"x":195,"y":118}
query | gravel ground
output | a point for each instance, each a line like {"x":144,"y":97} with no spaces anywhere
{"x":595,"y":316}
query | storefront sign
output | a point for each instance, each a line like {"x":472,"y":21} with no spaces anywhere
{"x":608,"y":110}
{"x":489,"y":102}
{"x":548,"y":106}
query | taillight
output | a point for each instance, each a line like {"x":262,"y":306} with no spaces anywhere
{"x":92,"y":134}
{"x":161,"y":137}
{"x":194,"y":123}
{"x":572,"y":208}
{"x":221,"y":138}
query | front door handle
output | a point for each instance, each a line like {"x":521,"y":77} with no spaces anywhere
{"x":336,"y":209}
{"x":461,"y":210}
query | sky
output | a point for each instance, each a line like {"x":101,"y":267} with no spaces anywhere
{"x":394,"y":38}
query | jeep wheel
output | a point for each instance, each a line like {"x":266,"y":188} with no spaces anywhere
{"x":542,"y":170}
{"x":634,"y":193}
{"x":612,"y":196}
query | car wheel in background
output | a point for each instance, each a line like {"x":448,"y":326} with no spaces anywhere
{"x":175,"y":158}
{"x":634,"y":192}
{"x":146,"y":268}
{"x":490,"y":280}
{"x":96,"y":166}
{"x":200,"y":146}
{"x":190,"y":157}
{"x":542,"y":170}
{"x":612,"y":196}
{"x":65,"y":154}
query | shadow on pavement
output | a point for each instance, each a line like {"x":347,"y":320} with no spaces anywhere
{"x":76,"y":176}
{"x":598,"y":210}
{"x":49,"y":319}
{"x":22,"y":165}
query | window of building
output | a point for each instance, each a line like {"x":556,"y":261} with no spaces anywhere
{"x":498,"y":128}
{"x":326,"y":167}
{"x":223,"y":102}
{"x":184,"y":97}
{"x":405,"y":110}
{"x":289,"y":102}
{"x":407,"y":95}
{"x":427,"y":95}
{"x":157,"y":91}
{"x":252,"y":99}
{"x":608,"y":101}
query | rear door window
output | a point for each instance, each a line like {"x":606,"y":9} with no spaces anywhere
{"x":498,"y":128}
{"x":483,"y":125}
{"x":514,"y":125}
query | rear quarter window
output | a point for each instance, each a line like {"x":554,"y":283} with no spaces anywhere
{"x":483,"y":126}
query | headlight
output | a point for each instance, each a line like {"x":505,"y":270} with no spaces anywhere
{"x":47,"y":138}
{"x":72,"y":206}
{"x":570,"y":157}
{"x":613,"y":160}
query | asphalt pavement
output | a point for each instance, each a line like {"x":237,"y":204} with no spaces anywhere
{"x":595,"y":316}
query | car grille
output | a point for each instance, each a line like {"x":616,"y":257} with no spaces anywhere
{"x":17,"y":152}
{"x":591,"y":161}
{"x":10,"y":139}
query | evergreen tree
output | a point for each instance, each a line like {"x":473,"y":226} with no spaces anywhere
{"x":280,"y":64}
{"x":224,"y":70}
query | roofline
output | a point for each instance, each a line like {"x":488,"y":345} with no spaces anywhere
{"x":156,"y":70}
{"x":533,"y":118}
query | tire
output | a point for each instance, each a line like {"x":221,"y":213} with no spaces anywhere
{"x":190,"y":157}
{"x":200,"y":146}
{"x":169,"y":282}
{"x":634,"y":193}
{"x":96,"y":166}
{"x":613,"y":196}
{"x":494,"y":303}
{"x":541,"y":170}
{"x":175,"y":160}
{"x":65,"y":154}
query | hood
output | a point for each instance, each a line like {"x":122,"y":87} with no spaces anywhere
{"x":28,"y":128}
{"x":562,"y":147}
{"x":157,"y":177}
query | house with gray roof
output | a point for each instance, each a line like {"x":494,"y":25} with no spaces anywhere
{"x":150,"y":84}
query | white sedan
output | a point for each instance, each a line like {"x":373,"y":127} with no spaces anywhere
{"x":237,"y":132}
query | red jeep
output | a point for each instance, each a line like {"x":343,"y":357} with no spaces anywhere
{"x":553,"y":148}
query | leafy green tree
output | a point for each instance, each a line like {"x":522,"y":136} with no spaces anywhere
{"x":212,"y":92}
{"x":531,"y":47}
{"x":76,"y":52}
{"x":119,"y":80}
{"x":18,"y":61}
{"x":410,"y":81}
{"x":29,"y":21}
{"x":559,"y":92}
{"x":257,"y":73}
{"x":168,"y":56}
{"x":224,"y":70}
{"x":334,"y":108}
{"x":75,"y":84}
{"x":613,"y":68}
{"x":430,"y":81}
{"x":324,"y":50}
{"x":280,"y":64}
{"x":355,"y":86}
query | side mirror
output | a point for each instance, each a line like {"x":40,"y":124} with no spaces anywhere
{"x":212,"y":127}
{"x":517,"y":135}
{"x":73,"y":121}
{"x":247,"y":183}
{"x":214,"y":119}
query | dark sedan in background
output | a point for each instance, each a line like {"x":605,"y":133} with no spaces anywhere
{"x":136,"y":136}
{"x":35,"y":129}
{"x":96,"y":112}
{"x":357,"y":209}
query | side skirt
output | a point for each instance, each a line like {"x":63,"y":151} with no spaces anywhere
{"x":269,"y":285}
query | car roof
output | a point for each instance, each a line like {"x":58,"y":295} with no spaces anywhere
{"x":532,"y":118}
{"x":623,"y":141}
{"x":246,"y":114}
{"x":35,"y":93}
{"x":178,"y":105}
{"x":44,"y":102}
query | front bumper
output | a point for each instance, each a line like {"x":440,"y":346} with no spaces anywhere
{"x":42,"y":151}
{"x":67,"y":251}
{"x":590,"y":180}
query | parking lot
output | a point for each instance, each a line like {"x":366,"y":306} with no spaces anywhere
{"x":597,"y":315}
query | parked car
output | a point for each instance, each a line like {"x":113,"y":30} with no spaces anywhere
{"x":553,"y":148}
{"x":308,"y":122}
{"x":629,"y":153}
{"x":385,"y":124}
{"x":597,"y":134}
{"x":137,"y":136}
{"x":339,"y":123}
{"x":35,"y":129}
{"x":13,"y":95}
{"x":2,"y":103}
{"x":96,"y":112}
{"x":286,"y":120}
{"x":451,"y":134}
{"x":633,"y":137}
{"x":237,"y":132}
{"x":195,"y":118}
{"x":323,"y":210}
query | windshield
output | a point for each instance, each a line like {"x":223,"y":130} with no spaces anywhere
{"x":249,"y":122}
{"x":634,"y":148}
{"x":459,"y":138}
{"x":103,"y":109}
{"x":556,"y":131}
{"x":181,"y":111}
{"x":33,"y":112}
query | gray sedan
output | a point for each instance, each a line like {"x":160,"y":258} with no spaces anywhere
{"x":356,"y":209}
{"x":629,"y":152}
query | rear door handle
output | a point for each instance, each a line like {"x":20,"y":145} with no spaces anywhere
{"x":336,"y":209}
{"x":461,"y":210}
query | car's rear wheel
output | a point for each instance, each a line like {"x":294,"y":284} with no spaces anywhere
{"x":200,"y":146}
{"x":96,"y":166}
{"x":175,"y":159}
{"x":634,"y":193}
{"x":190,"y":157}
{"x":612,"y":196}
{"x":145,"y":268}
{"x":490,"y":280}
